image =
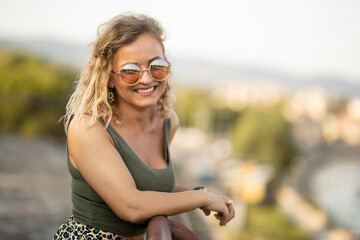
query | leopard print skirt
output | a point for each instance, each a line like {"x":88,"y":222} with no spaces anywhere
{"x":74,"y":230}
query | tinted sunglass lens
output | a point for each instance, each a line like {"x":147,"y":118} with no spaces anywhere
{"x":160,"y":69}
{"x":130,"y":74}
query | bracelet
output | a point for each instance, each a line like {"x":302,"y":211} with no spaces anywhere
{"x":200,"y":188}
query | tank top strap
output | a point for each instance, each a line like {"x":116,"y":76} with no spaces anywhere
{"x":102,"y":121}
{"x":118,"y":140}
{"x":167,"y":123}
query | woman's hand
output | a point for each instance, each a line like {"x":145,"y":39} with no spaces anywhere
{"x":221,"y":205}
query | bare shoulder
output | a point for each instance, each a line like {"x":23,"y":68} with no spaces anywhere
{"x":81,"y":127}
{"x":174,"y":123}
{"x":83,"y":136}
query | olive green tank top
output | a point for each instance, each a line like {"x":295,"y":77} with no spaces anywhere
{"x":90,"y":209}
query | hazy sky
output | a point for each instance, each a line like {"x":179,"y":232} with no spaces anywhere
{"x":303,"y":37}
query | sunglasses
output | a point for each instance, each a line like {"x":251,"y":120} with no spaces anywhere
{"x":159,"y":70}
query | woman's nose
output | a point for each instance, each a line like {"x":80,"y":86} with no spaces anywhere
{"x":146,"y":77}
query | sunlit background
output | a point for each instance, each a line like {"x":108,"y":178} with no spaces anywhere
{"x":268,"y":96}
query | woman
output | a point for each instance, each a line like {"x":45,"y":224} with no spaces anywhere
{"x":119,"y":124}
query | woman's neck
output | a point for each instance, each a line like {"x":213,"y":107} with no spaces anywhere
{"x":134,"y":118}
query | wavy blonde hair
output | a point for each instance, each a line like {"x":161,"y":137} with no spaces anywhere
{"x":91,"y":94}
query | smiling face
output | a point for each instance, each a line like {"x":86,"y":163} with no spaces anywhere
{"x":141,"y":52}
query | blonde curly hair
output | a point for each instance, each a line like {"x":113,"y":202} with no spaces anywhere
{"x":91,"y":94}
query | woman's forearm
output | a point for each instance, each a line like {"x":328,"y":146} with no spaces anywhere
{"x":151,"y":203}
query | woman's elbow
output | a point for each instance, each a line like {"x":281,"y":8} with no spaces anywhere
{"x":133,"y":216}
{"x":137,"y":218}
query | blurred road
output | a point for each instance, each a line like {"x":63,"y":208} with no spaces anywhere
{"x":34,"y":187}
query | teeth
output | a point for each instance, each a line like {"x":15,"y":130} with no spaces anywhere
{"x":145,"y":90}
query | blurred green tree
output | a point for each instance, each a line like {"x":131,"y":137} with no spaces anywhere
{"x":33,"y":94}
{"x":265,"y":135}
{"x":193,"y":109}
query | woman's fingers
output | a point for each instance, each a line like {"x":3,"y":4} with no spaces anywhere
{"x":206,"y":211}
{"x":222,"y":206}
{"x":217,"y":216}
{"x":224,"y":216}
{"x":231,"y":211}
{"x":229,"y":214}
